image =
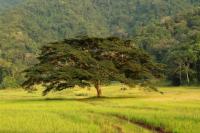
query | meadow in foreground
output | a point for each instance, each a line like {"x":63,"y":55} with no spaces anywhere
{"x":78,"y":111}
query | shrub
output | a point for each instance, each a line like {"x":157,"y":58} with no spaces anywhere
{"x":9,"y":82}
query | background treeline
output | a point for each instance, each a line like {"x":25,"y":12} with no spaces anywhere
{"x":175,"y":41}
{"x":167,"y":29}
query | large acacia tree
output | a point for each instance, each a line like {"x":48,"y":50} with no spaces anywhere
{"x":90,"y":61}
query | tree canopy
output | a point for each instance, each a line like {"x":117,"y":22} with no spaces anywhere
{"x":91,"y":61}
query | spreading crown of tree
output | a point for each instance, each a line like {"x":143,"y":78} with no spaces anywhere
{"x":90,"y":61}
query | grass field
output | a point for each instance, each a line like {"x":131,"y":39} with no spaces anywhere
{"x":78,"y":111}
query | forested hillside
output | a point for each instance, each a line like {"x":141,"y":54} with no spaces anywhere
{"x":175,"y":41}
{"x":154,"y":25}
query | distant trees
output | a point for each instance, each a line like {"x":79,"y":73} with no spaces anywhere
{"x":185,"y":52}
{"x":25,"y":28}
{"x":181,"y":61}
{"x":175,"y":42}
{"x":91,"y":61}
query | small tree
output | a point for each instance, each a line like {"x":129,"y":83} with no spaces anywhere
{"x":90,"y":61}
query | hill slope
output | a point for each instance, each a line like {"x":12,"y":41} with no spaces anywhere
{"x":27,"y":24}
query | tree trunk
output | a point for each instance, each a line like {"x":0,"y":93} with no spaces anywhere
{"x":187,"y":73}
{"x":98,"y":88}
{"x":180,"y":74}
{"x":188,"y":78}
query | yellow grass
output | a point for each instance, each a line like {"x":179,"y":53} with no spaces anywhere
{"x":78,"y":111}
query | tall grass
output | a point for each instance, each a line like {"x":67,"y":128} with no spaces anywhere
{"x":78,"y":111}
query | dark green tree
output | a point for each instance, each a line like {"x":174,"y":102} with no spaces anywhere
{"x":91,"y":61}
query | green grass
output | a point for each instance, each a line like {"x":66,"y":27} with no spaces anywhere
{"x":78,"y":111}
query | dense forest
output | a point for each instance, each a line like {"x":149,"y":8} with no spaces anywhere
{"x":166,"y":29}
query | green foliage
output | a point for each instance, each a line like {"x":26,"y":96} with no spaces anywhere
{"x":27,"y":24}
{"x":175,"y":42}
{"x":87,"y":61}
{"x":9,"y":82}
